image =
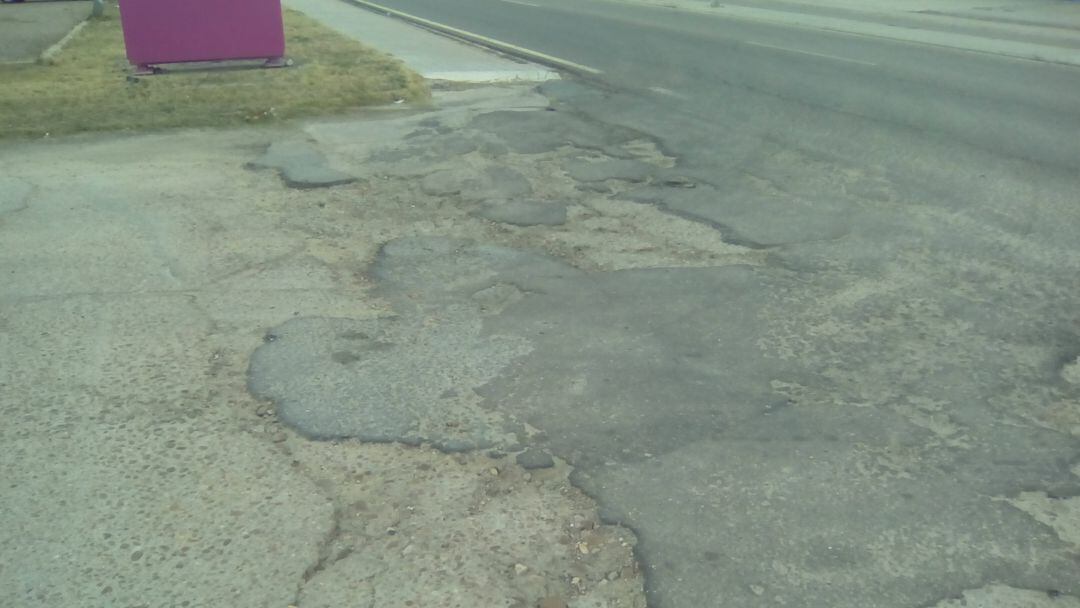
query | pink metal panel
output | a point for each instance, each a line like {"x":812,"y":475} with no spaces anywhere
{"x":174,"y":31}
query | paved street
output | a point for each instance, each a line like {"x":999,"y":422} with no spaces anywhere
{"x":878,"y":102}
{"x":876,"y":413}
{"x":763,"y":314}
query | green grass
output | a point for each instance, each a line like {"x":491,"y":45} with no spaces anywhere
{"x":85,"y":88}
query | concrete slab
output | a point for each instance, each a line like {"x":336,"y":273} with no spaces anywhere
{"x":126,"y":476}
{"x":27,"y":29}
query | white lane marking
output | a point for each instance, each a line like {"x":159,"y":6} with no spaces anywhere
{"x":833,"y":57}
{"x":668,"y":92}
{"x":521,"y":3}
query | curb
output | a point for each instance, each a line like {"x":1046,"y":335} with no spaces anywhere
{"x":48,"y":54}
{"x":476,"y":39}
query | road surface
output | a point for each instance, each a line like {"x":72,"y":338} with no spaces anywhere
{"x":876,"y":407}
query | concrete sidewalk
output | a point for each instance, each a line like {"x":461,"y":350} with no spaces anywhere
{"x":432,"y":56}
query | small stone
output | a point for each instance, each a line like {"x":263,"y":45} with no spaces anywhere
{"x":520,"y":568}
{"x":613,"y":575}
{"x":583,"y":548}
{"x":280,"y":437}
{"x":535,"y":459}
{"x":757,"y":589}
{"x":552,"y":602}
{"x":494,"y":472}
{"x":527,"y":476}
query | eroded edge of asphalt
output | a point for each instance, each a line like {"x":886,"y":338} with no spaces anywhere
{"x":457,"y":189}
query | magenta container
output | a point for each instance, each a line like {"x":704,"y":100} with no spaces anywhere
{"x":180,"y":31}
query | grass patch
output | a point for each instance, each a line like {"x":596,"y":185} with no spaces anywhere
{"x":86,"y":87}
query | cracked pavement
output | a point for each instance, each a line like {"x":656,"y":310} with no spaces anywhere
{"x":223,"y":388}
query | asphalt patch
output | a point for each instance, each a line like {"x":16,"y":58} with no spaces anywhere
{"x":746,"y":472}
{"x":301,"y":166}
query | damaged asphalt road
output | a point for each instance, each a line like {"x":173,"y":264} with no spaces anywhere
{"x":741,"y":327}
{"x":530,"y":353}
{"x":854,"y":395}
